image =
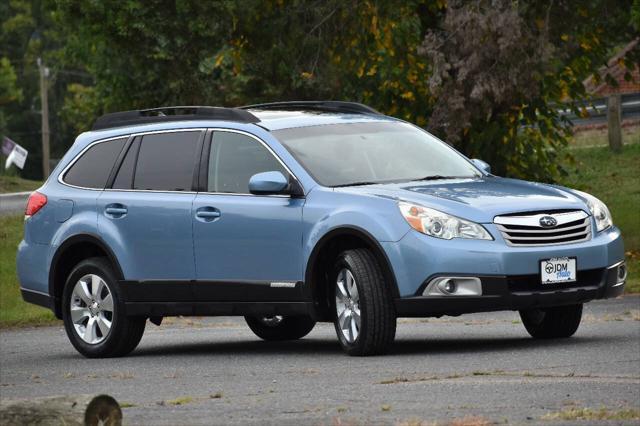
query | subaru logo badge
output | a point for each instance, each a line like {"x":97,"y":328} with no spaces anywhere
{"x":548,"y":221}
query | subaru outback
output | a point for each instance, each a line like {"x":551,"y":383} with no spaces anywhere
{"x":294,"y":213}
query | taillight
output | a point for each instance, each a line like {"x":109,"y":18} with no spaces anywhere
{"x":35,"y":203}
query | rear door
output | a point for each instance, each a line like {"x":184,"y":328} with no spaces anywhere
{"x":247,"y":247}
{"x":146,"y":215}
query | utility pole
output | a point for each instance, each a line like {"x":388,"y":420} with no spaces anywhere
{"x":44,"y":77}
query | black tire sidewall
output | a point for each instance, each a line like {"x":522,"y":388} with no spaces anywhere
{"x":556,"y":322}
{"x":100,"y":267}
{"x":343,"y":262}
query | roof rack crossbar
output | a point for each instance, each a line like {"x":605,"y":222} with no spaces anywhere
{"x":329,"y":106}
{"x":173,"y":113}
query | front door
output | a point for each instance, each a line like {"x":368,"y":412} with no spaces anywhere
{"x":247,"y":247}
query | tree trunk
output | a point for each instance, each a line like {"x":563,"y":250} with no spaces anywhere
{"x":614,"y":116}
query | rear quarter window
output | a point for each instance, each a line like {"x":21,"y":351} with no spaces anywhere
{"x":93,"y":167}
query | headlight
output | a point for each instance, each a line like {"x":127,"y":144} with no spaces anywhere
{"x":441,"y":225}
{"x":598,"y":209}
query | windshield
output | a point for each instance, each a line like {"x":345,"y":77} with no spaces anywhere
{"x":368,"y":153}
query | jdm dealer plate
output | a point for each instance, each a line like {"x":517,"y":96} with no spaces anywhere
{"x":558,"y":270}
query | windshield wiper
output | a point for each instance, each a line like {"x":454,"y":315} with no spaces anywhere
{"x":439,"y":177}
{"x":355,"y":184}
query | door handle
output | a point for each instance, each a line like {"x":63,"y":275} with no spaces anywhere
{"x":115,"y":210}
{"x":207,"y":214}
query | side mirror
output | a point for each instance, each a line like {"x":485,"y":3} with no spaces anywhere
{"x":268,"y":183}
{"x":482,"y":165}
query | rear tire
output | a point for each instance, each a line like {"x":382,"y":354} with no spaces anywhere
{"x":364,"y":315}
{"x":552,"y":323}
{"x":91,"y":291}
{"x":278,"y":328}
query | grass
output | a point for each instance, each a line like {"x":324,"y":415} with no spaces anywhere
{"x":599,"y":137}
{"x":615,"y":179}
{"x":17,"y":184}
{"x":180,"y":401}
{"x":13,"y":311}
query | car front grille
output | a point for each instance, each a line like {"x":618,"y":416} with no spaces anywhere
{"x":527,"y":230}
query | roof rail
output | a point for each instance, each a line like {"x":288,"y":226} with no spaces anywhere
{"x":329,"y":106}
{"x":173,"y":113}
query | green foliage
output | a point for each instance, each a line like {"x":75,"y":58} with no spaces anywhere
{"x":9,"y":90}
{"x":27,"y":32}
{"x":635,"y":15}
{"x":80,"y":107}
{"x":116,"y":55}
{"x":146,"y":53}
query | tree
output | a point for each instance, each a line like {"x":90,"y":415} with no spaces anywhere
{"x":500,"y":70}
{"x":27,"y":32}
{"x":488,"y":75}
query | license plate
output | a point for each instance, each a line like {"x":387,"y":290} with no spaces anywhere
{"x":558,"y":270}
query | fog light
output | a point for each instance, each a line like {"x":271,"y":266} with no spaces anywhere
{"x":622,"y":272}
{"x":454,"y":286}
{"x":448,"y":286}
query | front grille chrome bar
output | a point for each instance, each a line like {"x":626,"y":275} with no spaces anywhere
{"x":526,"y":231}
{"x":542,"y":230}
{"x":534,"y":219}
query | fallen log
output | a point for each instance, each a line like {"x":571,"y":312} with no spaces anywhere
{"x":62,"y":410}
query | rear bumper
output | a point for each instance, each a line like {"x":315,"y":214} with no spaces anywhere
{"x":516,"y":293}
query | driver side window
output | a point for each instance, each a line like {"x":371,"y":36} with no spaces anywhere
{"x":234,"y":158}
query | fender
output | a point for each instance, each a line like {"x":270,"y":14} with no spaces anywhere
{"x":364,"y":235}
{"x":71,"y":241}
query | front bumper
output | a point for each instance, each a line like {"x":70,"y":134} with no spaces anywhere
{"x":510,"y":276}
{"x":417,"y":257}
{"x":516,"y":293}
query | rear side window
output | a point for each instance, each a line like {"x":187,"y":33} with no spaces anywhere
{"x":234,"y":158}
{"x":92,"y":169}
{"x":166,"y":161}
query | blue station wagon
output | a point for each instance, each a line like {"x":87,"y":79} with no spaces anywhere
{"x":293,"y":213}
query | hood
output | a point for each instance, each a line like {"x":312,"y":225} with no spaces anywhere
{"x":478,"y":199}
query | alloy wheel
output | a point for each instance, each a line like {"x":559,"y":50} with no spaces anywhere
{"x":348,"y":305}
{"x":91,"y":309}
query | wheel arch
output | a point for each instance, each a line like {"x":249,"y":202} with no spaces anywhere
{"x":326,"y":249}
{"x":72,"y":251}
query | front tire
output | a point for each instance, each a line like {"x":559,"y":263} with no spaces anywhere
{"x":277,"y":328}
{"x":365,"y":319}
{"x":552,"y":323}
{"x":93,"y":312}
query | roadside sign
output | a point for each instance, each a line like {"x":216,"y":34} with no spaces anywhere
{"x":16,"y":155}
